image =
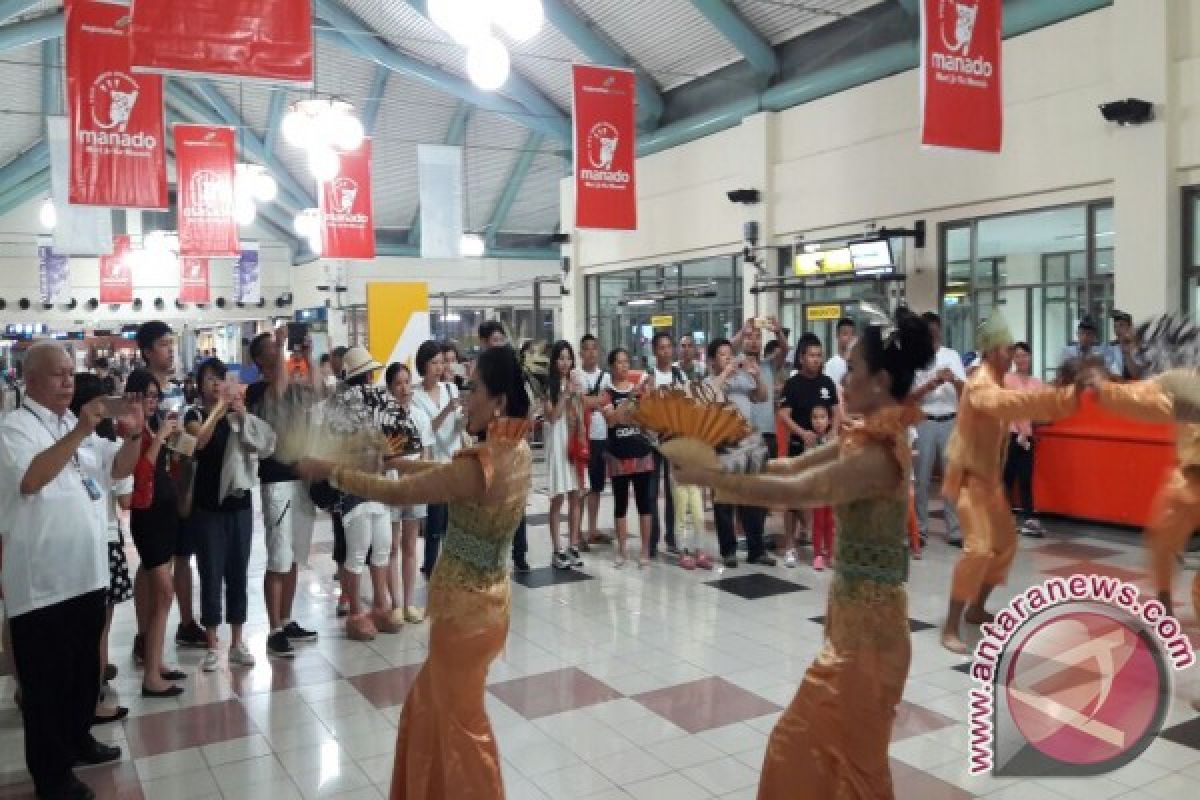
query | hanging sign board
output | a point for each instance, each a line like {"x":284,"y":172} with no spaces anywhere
{"x":193,"y":280}
{"x":662,"y":321}
{"x":961,"y":44}
{"x":116,"y":273}
{"x":205,"y":159}
{"x":819,"y":313}
{"x":605,"y":148}
{"x":347,"y":219}
{"x":54,"y":273}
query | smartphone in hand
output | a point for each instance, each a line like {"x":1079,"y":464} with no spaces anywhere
{"x":115,"y":406}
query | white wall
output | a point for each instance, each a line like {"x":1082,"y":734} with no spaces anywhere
{"x":852,"y":159}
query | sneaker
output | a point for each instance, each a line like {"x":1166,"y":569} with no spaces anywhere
{"x":413,"y":615}
{"x":240,"y":654}
{"x":764,"y":560}
{"x":954,"y":542}
{"x":790,"y":559}
{"x":139,"y":650}
{"x":1033,"y":529}
{"x":190,"y":635}
{"x":576,"y":559}
{"x":279,"y":646}
{"x":819,"y":563}
{"x":297,"y":634}
{"x":731,"y":562}
{"x":211,"y":661}
{"x":521,"y":566}
{"x":390,"y":621}
{"x":561,"y":560}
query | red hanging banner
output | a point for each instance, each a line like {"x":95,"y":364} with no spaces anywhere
{"x":265,"y":39}
{"x":347,"y":220}
{"x":605,"y":148}
{"x":118,"y":149}
{"x":193,"y":280}
{"x":205,"y":161}
{"x":116,"y":274}
{"x":962,"y":103}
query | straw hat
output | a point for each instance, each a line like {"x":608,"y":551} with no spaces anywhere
{"x":358,"y":361}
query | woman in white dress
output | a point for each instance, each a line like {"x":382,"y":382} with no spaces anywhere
{"x":563,"y":420}
{"x":439,"y":402}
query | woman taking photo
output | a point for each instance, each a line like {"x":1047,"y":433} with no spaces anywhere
{"x":563,"y":412}
{"x":406,"y":520}
{"x":154,"y":523}
{"x":832,"y":741}
{"x":445,"y":746}
{"x":629,"y":457}
{"x":438,"y":401}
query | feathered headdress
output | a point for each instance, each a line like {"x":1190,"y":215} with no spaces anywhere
{"x":1167,"y":342}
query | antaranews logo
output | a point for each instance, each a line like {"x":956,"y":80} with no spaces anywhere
{"x":1072,"y":678}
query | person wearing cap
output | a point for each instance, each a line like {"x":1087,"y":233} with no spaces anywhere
{"x":1087,"y":346}
{"x":973,"y":483}
{"x":1122,"y":350}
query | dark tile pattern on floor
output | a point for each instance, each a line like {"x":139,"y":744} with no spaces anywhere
{"x":756,"y":585}
{"x":1076,"y":551}
{"x":194,"y":726}
{"x":705,"y":704}
{"x":549,"y":576}
{"x":964,"y":668}
{"x":1096,"y":568}
{"x":1185,"y":733}
{"x":276,"y":674}
{"x":387,"y":687}
{"x":913,"y":720}
{"x":537,"y":519}
{"x":117,"y":781}
{"x":914,"y":625}
{"x":553,"y":692}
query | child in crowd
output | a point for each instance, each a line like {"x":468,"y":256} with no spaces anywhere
{"x":821,"y":421}
{"x":689,"y":503}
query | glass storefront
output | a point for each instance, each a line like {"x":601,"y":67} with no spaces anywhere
{"x":616,"y":322}
{"x":1042,"y":269}
{"x":1191,"y":251}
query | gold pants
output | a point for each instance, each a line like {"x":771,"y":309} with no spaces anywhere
{"x":1174,"y":517}
{"x":989,"y":538}
{"x":445,"y":747}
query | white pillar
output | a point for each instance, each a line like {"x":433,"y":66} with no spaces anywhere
{"x":756,"y":153}
{"x":574,"y":310}
{"x":1146,"y":188}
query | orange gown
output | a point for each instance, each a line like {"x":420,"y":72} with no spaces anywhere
{"x":1175,"y":514}
{"x":445,"y":746}
{"x":832,"y":741}
{"x":974,"y":476}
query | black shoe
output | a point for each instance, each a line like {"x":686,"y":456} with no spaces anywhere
{"x":96,"y":753}
{"x":279,"y":646}
{"x":561,"y":560}
{"x":672,"y":549}
{"x":170,"y":691}
{"x":297,"y":634}
{"x":110,"y":672}
{"x":731,"y":562}
{"x":521,"y":566}
{"x":75,"y":790}
{"x":139,"y":650}
{"x":172,"y":675}
{"x":763,"y":560}
{"x":576,"y":559}
{"x":121,"y":713}
{"x":954,"y":542}
{"x":190,"y":635}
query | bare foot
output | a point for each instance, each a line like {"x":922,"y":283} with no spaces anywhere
{"x":978,"y":616}
{"x":953,"y":643}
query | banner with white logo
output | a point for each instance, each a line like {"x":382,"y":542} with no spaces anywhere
{"x":961,"y":98}
{"x":54,"y":273}
{"x":193,"y":280}
{"x":347,"y":221}
{"x":204,"y":160}
{"x":81,"y":230}
{"x":116,"y":273}
{"x":605,"y":148}
{"x":439,"y":178}
{"x":118,"y":150}
{"x":269,"y":40}
{"x":247,"y":278}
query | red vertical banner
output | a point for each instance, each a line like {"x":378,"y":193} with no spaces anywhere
{"x":347,"y":219}
{"x":205,"y":161}
{"x":118,"y":148}
{"x":605,"y":148}
{"x":193,"y":280}
{"x":116,"y":273}
{"x":266,"y":39}
{"x":961,"y":97}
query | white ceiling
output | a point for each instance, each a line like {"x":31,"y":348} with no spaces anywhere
{"x":669,"y":39}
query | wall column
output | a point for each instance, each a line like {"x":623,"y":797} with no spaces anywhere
{"x":757,"y":154}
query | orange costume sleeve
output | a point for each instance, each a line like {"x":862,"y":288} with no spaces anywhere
{"x":1144,"y":401}
{"x":464,"y":478}
{"x":1010,"y":405}
{"x":811,"y":458}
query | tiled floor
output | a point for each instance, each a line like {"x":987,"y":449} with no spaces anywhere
{"x":616,"y":683}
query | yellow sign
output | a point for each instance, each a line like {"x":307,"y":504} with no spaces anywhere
{"x":397,"y":320}
{"x":817,"y":313}
{"x":662,"y":321}
{"x":823,"y":262}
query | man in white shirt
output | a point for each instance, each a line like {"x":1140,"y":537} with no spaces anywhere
{"x":55,"y":479}
{"x":835,"y":367}
{"x":663,"y":374}
{"x":595,"y":380}
{"x":692,"y":369}
{"x":937,"y":391}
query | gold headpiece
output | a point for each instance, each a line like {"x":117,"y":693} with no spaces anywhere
{"x":993,"y":332}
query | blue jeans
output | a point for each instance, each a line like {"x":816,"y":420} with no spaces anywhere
{"x":435,"y":528}
{"x":222,"y":557}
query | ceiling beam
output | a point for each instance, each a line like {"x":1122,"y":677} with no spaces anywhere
{"x":911,"y":7}
{"x":741,"y":34}
{"x":456,"y":134}
{"x":516,"y":180}
{"x":275,"y":111}
{"x":594,"y":44}
{"x":361,"y":40}
{"x":11,"y":8}
{"x":25,"y":165}
{"x":31,"y":188}
{"x":31,"y":31}
{"x":370,"y":112}
{"x":52,"y":79}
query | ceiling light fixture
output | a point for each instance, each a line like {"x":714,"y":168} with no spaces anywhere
{"x":471,"y":246}
{"x":487,"y":63}
{"x":323,"y":126}
{"x":472,"y":23}
{"x":48,"y":215}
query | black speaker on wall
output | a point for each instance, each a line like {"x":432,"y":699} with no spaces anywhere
{"x":72,"y":304}
{"x":47,"y":306}
{"x":159,"y":304}
{"x":3,"y":304}
{"x":137,"y":304}
{"x":220,"y":302}
{"x":179,"y":304}
{"x":92,"y":304}
{"x":24,"y":304}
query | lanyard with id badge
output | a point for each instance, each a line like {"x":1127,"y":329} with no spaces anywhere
{"x":89,"y":484}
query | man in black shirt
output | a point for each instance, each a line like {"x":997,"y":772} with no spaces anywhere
{"x":808,"y":388}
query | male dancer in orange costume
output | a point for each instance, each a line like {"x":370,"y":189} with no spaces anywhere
{"x":976,"y":466}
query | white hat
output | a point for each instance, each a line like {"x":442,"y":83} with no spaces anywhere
{"x":358,"y":361}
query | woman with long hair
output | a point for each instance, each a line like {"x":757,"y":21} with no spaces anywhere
{"x":629,"y":457}
{"x":832,"y":741}
{"x":439,"y":401}
{"x":563,"y":413}
{"x":445,"y":746}
{"x":154,"y":523}
{"x":406,"y":520}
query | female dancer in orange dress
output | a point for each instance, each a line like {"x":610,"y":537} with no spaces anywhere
{"x":445,"y":746}
{"x":832,"y":742}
